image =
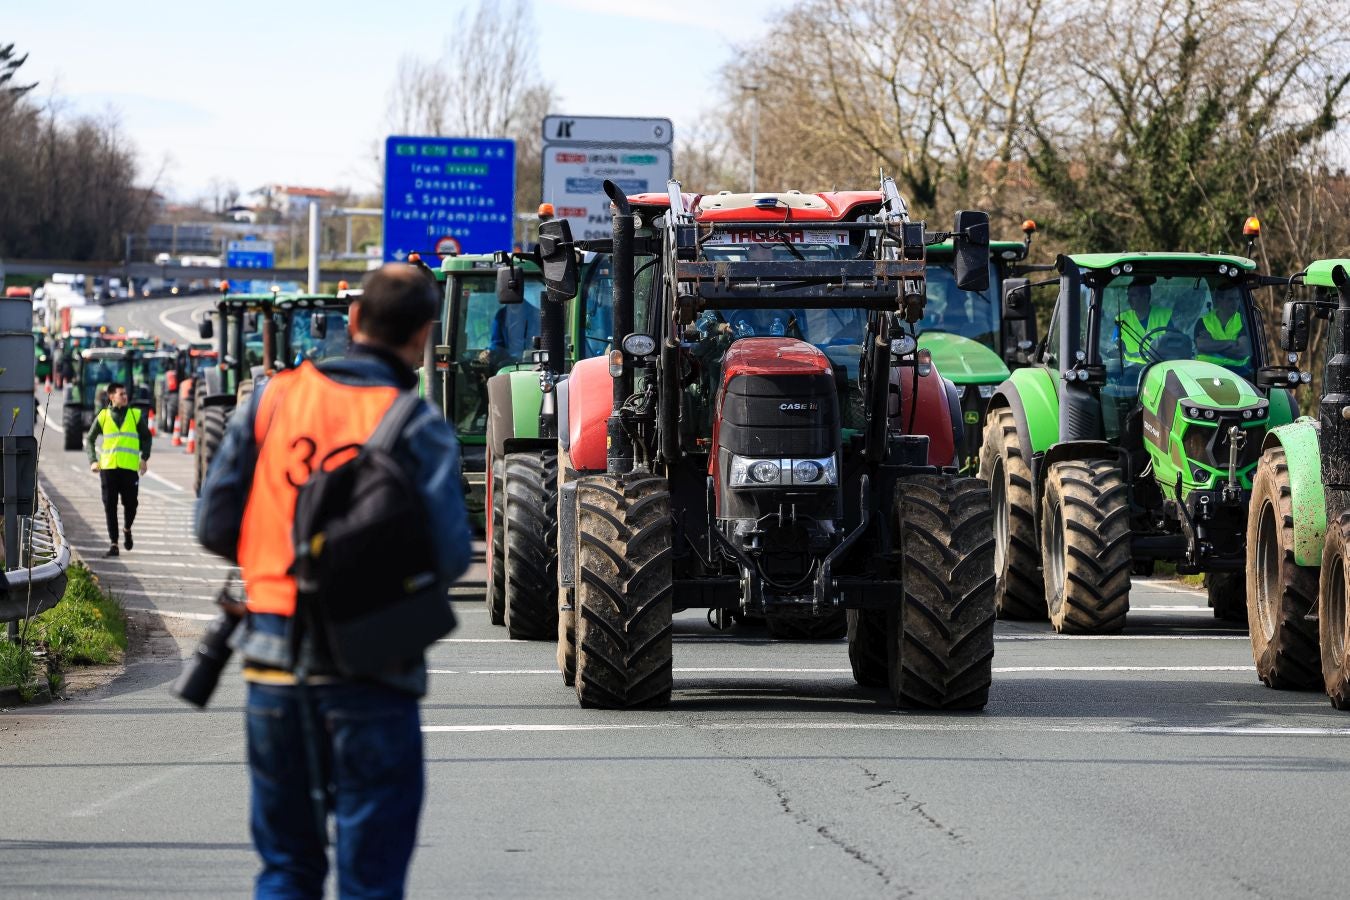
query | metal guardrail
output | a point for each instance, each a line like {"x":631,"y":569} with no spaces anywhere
{"x":45,"y":553}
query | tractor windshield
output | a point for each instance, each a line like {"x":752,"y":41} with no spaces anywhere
{"x":304,"y":345}
{"x":970,"y":314}
{"x":1154,"y":318}
{"x":489,"y":336}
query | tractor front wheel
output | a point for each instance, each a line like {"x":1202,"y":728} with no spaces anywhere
{"x":1019,"y":592}
{"x":1085,"y":540}
{"x":496,"y":569}
{"x":1333,"y":624}
{"x":623,"y":592}
{"x":1280,"y":593}
{"x":1227,"y":595}
{"x":72,"y":420}
{"x":940,"y":645}
{"x":530,"y":545}
{"x":214,"y":420}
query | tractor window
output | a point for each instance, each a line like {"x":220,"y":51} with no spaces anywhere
{"x":1148,"y":319}
{"x":489,"y":336}
{"x":598,"y":309}
{"x":967,"y":313}
{"x":304,"y":346}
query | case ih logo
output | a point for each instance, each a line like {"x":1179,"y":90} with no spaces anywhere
{"x":809,"y":406}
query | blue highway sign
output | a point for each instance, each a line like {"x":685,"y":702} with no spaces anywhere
{"x":444,"y":195}
{"x":249,"y":254}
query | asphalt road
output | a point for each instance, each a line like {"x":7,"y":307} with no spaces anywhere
{"x":1150,"y":764}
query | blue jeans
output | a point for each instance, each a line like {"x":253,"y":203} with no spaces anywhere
{"x":370,"y":753}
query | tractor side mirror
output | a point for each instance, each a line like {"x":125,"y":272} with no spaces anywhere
{"x":1017,"y":300}
{"x":1294,"y":326}
{"x":558,"y":259}
{"x":510,"y":286}
{"x":318,"y":325}
{"x":970,"y":241}
{"x":206,"y":329}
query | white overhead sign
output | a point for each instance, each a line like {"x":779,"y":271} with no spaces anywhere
{"x":582,"y":152}
{"x":608,"y":130}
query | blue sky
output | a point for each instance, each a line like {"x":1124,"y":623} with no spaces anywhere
{"x":295,"y":92}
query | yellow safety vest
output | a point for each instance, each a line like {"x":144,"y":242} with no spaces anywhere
{"x":1222,"y":333}
{"x":121,"y":445}
{"x":1132,"y":330}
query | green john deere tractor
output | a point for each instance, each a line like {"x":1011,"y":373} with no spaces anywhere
{"x":972,"y":343}
{"x":1299,"y":522}
{"x":86,"y":391}
{"x":504,"y":348}
{"x":1133,"y":436}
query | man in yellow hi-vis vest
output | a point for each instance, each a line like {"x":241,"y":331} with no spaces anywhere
{"x":1139,"y":319}
{"x":1219,"y":336}
{"x":121,"y":461}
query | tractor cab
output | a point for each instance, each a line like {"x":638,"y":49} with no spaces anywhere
{"x":86,"y":390}
{"x":310,"y":328}
{"x":150,"y":370}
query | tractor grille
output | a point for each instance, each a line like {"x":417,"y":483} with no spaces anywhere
{"x":1208,"y":443}
{"x":795,"y":416}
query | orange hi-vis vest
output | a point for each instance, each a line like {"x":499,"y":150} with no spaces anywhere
{"x":305,"y":420}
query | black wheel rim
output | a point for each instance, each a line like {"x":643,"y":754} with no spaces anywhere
{"x":1268,"y":571}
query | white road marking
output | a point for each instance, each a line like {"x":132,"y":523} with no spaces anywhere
{"x":126,"y":592}
{"x":1123,"y":668}
{"x":958,"y":724}
{"x":170,"y":614}
{"x":188,"y":334}
{"x":98,"y":551}
{"x":1120,"y":637}
{"x":1195,"y":609}
{"x":1169,"y":586}
{"x":50,"y":424}
{"x":99,"y":806}
{"x":481,"y":640}
{"x":162,"y":480}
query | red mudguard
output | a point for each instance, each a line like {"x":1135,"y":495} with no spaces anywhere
{"x":934,"y":415}
{"x":590,"y":397}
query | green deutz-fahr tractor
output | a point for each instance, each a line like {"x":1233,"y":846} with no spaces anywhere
{"x":86,"y":391}
{"x":494,"y":376}
{"x":1133,"y":437}
{"x":972,"y":343}
{"x":1299,"y":629}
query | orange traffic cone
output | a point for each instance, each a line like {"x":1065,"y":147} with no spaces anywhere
{"x":192,"y":437}
{"x":47,"y":386}
{"x":150,"y":423}
{"x":177,"y":431}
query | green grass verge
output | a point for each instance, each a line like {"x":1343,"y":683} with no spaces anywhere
{"x":1169,"y":570}
{"x":88,"y":627}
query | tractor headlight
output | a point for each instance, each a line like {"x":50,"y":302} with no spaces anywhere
{"x":1193,"y":412}
{"x":1210,"y":414}
{"x":1246,"y":414}
{"x":753,"y":473}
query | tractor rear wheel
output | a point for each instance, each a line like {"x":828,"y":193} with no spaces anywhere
{"x":829,"y":627}
{"x":867,"y":646}
{"x":940,"y":645}
{"x":496,"y":574}
{"x":1019,"y":591}
{"x":72,"y":420}
{"x":1085,"y":540}
{"x":624,"y":591}
{"x":1227,"y":595}
{"x":530,"y":545}
{"x":1333,"y":624}
{"x":1280,"y":593}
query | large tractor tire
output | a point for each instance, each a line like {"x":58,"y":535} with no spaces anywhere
{"x":244,"y":394}
{"x":567,"y":618}
{"x":1019,"y":591}
{"x":1333,"y":623}
{"x":72,"y":420}
{"x":211,"y":436}
{"x":829,"y":627}
{"x":624,"y":591}
{"x":1227,"y":593}
{"x":1280,"y":593}
{"x":940,"y":651}
{"x":496,"y":569}
{"x":531,"y":545}
{"x":1085,"y":541}
{"x":867,"y":646}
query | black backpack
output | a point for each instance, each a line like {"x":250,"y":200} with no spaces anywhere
{"x":364,"y":569}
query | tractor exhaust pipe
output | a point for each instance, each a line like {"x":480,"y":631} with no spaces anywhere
{"x":619,"y":455}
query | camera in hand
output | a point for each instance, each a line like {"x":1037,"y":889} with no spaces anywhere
{"x":202,"y":670}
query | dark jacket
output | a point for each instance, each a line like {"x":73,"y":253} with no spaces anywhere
{"x":427,"y":448}
{"x":118,"y":415}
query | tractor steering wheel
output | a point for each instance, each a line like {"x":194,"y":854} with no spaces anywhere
{"x":1184,"y":347}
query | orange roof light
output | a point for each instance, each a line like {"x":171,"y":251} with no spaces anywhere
{"x":224,"y":287}
{"x":1252,"y":227}
{"x":1029,"y":226}
{"x":414,"y":258}
{"x":342,"y":285}
{"x":545,"y":209}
